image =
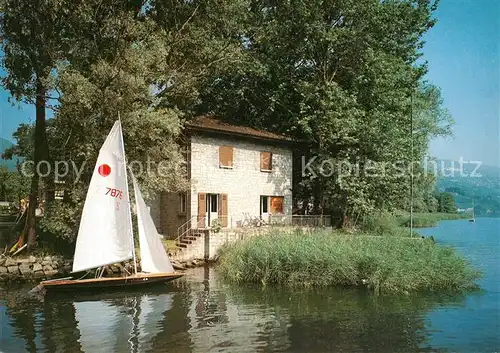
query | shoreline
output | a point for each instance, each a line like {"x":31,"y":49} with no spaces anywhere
{"x":32,"y":268}
{"x":428,"y":219}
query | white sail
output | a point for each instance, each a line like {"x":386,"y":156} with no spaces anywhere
{"x":154,"y":258}
{"x":105,"y":234}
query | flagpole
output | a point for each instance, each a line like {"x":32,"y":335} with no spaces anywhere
{"x":411,"y":165}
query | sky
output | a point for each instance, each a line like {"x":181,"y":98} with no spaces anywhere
{"x":463,"y":54}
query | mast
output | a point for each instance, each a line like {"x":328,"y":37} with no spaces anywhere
{"x":129,"y":211}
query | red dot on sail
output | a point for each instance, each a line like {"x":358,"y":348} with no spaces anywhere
{"x":104,"y":170}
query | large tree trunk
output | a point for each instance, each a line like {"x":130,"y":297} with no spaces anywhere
{"x":40,"y":153}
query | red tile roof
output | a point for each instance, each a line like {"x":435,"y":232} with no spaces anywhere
{"x":206,"y":123}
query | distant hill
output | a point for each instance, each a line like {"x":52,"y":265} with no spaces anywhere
{"x":471,"y":183}
{"x":11,"y":164}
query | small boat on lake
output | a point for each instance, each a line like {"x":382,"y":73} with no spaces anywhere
{"x":473,"y":219}
{"x":105,"y":235}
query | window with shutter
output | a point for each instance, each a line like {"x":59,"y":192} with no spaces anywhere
{"x":223,"y":209}
{"x":277,"y":205}
{"x":266,"y":161}
{"x":225,"y":156}
{"x":202,"y":210}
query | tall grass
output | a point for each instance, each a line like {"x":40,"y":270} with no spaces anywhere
{"x":421,"y":220}
{"x":385,"y":223}
{"x":384,"y":264}
{"x":382,"y":223}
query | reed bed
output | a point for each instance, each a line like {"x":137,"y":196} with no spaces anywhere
{"x":383,"y":263}
{"x":424,"y":220}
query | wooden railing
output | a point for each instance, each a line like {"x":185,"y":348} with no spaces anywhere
{"x":313,"y":221}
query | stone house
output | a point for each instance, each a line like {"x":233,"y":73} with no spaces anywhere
{"x":237,"y":174}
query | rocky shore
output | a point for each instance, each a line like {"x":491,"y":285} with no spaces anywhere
{"x":37,"y":268}
{"x":32,"y":267}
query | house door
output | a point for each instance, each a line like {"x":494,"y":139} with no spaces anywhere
{"x":212,"y":208}
{"x":264,"y":208}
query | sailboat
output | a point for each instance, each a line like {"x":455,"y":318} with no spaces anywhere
{"x":105,"y":235}
{"x":473,"y":219}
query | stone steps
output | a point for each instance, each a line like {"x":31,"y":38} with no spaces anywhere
{"x":190,"y":237}
{"x":186,"y":241}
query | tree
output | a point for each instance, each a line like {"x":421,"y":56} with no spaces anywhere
{"x":32,"y":40}
{"x":340,"y":75}
{"x":447,"y":203}
{"x":13,"y":185}
{"x":144,"y":65}
{"x":195,"y":39}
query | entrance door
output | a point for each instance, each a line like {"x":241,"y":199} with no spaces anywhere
{"x":264,"y":208}
{"x":212,"y":208}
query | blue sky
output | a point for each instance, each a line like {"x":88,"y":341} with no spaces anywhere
{"x":463,"y":51}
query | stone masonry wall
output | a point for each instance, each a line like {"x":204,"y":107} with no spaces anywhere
{"x":171,"y":218}
{"x":245,"y":182}
{"x":32,"y":267}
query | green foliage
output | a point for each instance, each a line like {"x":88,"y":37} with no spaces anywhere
{"x":381,"y":223}
{"x":424,"y":220}
{"x":32,"y":43}
{"x":341,"y":75}
{"x":385,"y":223}
{"x":144,"y":64}
{"x":384,"y":264}
{"x":216,"y":226}
{"x":13,"y":185}
{"x":447,"y":203}
{"x":62,"y":218}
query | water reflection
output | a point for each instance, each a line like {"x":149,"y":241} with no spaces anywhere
{"x":199,"y":313}
{"x":349,"y":320}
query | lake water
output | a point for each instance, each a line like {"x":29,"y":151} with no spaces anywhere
{"x":200,"y":313}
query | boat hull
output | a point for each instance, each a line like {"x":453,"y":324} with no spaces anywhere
{"x":106,"y":283}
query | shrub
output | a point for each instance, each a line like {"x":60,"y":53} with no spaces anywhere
{"x":382,"y":223}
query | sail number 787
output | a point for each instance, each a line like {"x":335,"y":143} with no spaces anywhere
{"x":114,"y":193}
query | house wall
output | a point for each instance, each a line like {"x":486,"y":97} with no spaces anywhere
{"x":171,"y":218}
{"x":155,"y":210}
{"x":245,"y":182}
